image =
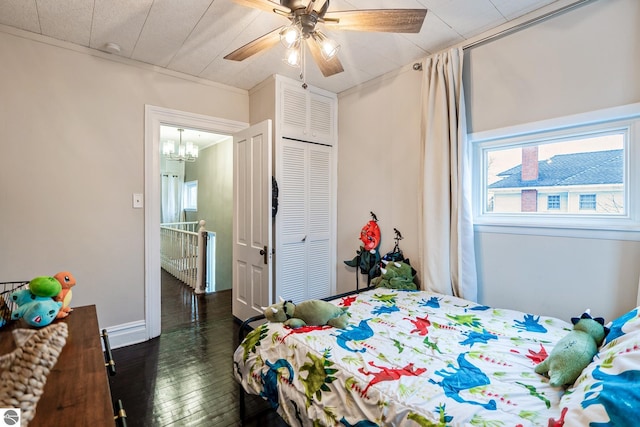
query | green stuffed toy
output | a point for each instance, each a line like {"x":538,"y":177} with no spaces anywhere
{"x":574,"y":351}
{"x":45,"y":286}
{"x":395,"y":275}
{"x":307,"y":313}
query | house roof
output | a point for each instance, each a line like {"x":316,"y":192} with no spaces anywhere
{"x":596,"y":167}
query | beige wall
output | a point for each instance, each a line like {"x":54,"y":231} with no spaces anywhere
{"x":72,"y":142}
{"x":580,"y":61}
{"x":214,"y":172}
{"x":378,"y":166}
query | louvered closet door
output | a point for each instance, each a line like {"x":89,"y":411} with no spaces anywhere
{"x":303,"y":224}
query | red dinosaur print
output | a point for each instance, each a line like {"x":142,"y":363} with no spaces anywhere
{"x":538,"y":357}
{"x":421,"y":324}
{"x":347,"y":301}
{"x":389,"y":374}
{"x":304,"y":330}
{"x":560,"y":422}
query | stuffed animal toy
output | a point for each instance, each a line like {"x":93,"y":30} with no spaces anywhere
{"x":307,"y":313}
{"x":67,"y":281}
{"x":395,"y":275}
{"x":574,"y":351}
{"x":45,"y":286}
{"x":33,"y":309}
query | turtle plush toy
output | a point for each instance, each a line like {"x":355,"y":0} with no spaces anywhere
{"x":307,"y":313}
{"x":574,"y":351}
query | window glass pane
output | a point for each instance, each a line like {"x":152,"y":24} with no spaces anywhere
{"x":190,"y":196}
{"x":576,"y":175}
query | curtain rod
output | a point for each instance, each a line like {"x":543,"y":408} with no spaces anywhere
{"x":467,"y":45}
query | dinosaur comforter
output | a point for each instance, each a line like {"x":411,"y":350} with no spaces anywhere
{"x":407,"y":359}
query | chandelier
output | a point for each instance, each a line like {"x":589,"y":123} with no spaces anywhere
{"x":185,"y":152}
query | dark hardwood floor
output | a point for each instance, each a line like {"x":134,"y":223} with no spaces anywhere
{"x":184,"y":377}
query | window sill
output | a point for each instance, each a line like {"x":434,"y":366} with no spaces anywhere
{"x":632,"y":234}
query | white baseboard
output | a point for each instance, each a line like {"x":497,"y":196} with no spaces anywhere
{"x":127,"y":334}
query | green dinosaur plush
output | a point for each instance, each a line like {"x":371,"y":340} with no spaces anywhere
{"x":307,"y":313}
{"x":574,"y":351}
{"x":395,"y":275}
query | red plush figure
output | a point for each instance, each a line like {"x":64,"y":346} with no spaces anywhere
{"x":370,"y":235}
{"x":67,"y":281}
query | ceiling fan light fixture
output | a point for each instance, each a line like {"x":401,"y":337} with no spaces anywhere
{"x":328,"y":47}
{"x":292,"y":56}
{"x":290,"y":35}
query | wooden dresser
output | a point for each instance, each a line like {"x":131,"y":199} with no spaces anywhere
{"x":77,"y":389}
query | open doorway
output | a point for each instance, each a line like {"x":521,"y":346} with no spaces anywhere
{"x":196,"y":168}
{"x":155,"y":119}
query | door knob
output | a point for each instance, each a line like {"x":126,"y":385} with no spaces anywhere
{"x":264,"y":253}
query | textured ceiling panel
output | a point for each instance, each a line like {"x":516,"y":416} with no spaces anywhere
{"x":193,"y":36}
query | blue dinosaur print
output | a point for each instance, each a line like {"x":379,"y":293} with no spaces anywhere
{"x":474,"y":337}
{"x":434,"y":302}
{"x":531,"y":324}
{"x":363,"y":423}
{"x":480,"y":308}
{"x":465,"y":377}
{"x":615,"y":331}
{"x":270,"y":381}
{"x":617,"y":396}
{"x":385,"y":309}
{"x":355,"y":333}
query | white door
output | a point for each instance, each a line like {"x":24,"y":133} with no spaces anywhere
{"x":305,"y":260}
{"x":252,"y":247}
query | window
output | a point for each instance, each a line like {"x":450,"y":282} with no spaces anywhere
{"x":190,"y":196}
{"x":588,"y":202}
{"x":569,"y":173}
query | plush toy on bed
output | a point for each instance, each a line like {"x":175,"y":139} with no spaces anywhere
{"x":307,"y":313}
{"x":574,"y":351}
{"x":395,"y":275}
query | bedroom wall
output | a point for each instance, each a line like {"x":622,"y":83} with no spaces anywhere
{"x":214,"y":172}
{"x":72,"y":142}
{"x":583,"y":60}
{"x":378,"y":166}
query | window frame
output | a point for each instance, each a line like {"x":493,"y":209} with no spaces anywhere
{"x":188,"y":205}
{"x":624,"y":227}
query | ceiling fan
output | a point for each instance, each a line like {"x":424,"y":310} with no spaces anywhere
{"x":303,"y":29}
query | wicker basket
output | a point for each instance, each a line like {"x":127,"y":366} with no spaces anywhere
{"x":6,"y":304}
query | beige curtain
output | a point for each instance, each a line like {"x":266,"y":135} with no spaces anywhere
{"x":446,"y":236}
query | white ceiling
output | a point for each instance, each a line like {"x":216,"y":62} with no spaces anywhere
{"x":193,"y":36}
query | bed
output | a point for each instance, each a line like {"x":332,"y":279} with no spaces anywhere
{"x":417,"y":358}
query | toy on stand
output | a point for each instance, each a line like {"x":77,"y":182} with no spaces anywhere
{"x":367,"y":259}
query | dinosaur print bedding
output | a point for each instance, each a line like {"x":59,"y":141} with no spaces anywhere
{"x":412,"y":358}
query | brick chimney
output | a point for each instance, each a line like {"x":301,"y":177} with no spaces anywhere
{"x":530,"y":163}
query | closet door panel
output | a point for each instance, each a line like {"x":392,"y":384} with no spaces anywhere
{"x":291,"y":222}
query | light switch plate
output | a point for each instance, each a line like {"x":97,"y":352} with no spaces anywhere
{"x":137,"y":200}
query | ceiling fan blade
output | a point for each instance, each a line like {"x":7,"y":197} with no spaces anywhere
{"x":328,"y":68}
{"x":384,"y":20}
{"x":261,"y":43}
{"x":266,"y":5}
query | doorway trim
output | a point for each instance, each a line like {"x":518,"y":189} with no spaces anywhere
{"x":153,"y":118}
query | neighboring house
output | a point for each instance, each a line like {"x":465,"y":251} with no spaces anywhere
{"x":590,"y":182}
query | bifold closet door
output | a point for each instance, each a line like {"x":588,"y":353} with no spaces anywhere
{"x":303,"y":223}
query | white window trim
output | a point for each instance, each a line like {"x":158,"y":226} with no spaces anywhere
{"x":188,"y":184}
{"x":622,"y":228}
